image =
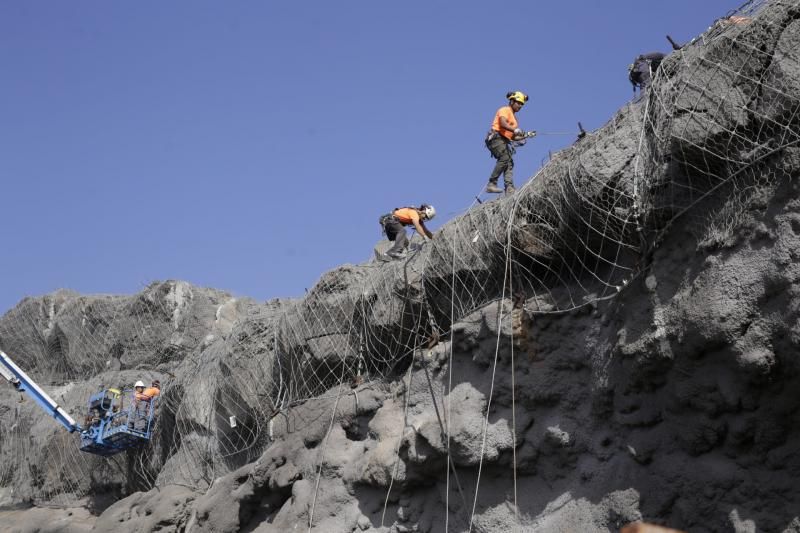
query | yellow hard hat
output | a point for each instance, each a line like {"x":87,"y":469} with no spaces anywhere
{"x":518,"y":96}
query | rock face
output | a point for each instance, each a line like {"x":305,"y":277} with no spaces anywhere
{"x":210,"y":348}
{"x":615,"y":342}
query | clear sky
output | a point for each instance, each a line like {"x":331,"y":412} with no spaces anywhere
{"x":252,"y":145}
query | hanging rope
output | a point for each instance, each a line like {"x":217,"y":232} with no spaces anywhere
{"x":399,"y":442}
{"x":513,"y":407}
{"x":500,"y":305}
{"x":322,"y":450}
{"x":450,"y":379}
{"x":443,"y":433}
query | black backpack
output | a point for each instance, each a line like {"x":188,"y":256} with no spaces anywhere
{"x":384,"y":219}
{"x":640,"y":71}
{"x":635,"y":75}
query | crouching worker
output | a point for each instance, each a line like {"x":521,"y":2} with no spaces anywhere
{"x":394,"y":225}
{"x":143,"y":399}
{"x":643,"y":68}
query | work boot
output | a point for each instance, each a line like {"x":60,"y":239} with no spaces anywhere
{"x":395,"y":255}
{"x":510,"y":188}
{"x":493,"y":188}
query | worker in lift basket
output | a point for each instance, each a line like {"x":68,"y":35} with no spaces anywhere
{"x":142,"y":399}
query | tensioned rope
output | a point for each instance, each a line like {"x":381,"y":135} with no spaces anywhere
{"x":448,"y":411}
{"x":513,"y":402}
{"x":500,"y":309}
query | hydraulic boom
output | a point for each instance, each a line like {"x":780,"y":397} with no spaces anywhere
{"x":110,"y":427}
{"x":20,"y":380}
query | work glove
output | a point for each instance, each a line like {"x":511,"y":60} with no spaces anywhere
{"x":419,"y":245}
{"x":518,"y":132}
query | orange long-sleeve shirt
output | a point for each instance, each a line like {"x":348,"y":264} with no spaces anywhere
{"x":507,"y":113}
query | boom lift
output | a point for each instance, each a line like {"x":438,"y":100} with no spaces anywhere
{"x":111,"y":427}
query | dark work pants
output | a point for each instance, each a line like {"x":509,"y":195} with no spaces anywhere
{"x":505,"y":165}
{"x":142,"y":412}
{"x":396,"y":232}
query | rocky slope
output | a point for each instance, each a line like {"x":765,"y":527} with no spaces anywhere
{"x":640,"y":367}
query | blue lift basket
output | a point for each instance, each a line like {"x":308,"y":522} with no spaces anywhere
{"x":116,"y":421}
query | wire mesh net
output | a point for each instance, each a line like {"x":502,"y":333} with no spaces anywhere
{"x":718,"y":129}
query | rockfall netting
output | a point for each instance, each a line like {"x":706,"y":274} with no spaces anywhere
{"x":722,"y":123}
{"x":211,"y":352}
{"x":719,"y":126}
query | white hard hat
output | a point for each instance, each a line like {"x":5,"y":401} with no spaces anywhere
{"x":429,"y":211}
{"x":138,"y":384}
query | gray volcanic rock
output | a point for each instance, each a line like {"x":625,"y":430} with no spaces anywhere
{"x":615,"y":342}
{"x":79,"y":335}
{"x":193,"y":339}
{"x":613,"y":425}
{"x":40,"y":520}
{"x":166,"y":509}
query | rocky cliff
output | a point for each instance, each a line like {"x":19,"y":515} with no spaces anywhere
{"x":616,"y":341}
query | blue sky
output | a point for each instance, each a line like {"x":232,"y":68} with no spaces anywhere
{"x":251,"y":145}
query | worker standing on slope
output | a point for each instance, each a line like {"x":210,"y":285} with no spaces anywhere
{"x":394,"y":224}
{"x":505,"y":129}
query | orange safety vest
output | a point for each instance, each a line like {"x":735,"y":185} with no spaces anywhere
{"x":406,"y":215}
